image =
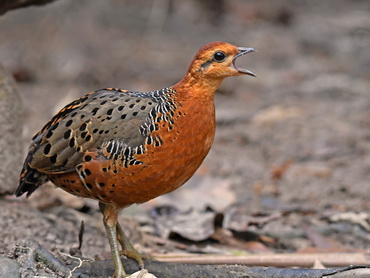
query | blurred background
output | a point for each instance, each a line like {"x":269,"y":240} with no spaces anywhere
{"x":295,"y":137}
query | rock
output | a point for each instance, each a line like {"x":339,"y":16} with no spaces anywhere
{"x":8,"y":268}
{"x":10,"y":135}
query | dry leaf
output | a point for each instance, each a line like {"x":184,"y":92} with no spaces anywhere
{"x":318,"y":265}
{"x":361,"y":218}
{"x":239,"y":219}
{"x":195,"y":225}
{"x":142,"y":274}
{"x":278,"y":171}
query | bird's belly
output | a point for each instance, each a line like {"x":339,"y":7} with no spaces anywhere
{"x":168,"y":166}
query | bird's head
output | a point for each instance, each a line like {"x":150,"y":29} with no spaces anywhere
{"x":212,"y":64}
{"x":217,"y":60}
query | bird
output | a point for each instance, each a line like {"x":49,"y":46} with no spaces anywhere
{"x":123,"y":147}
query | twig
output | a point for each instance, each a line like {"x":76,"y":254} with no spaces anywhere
{"x":15,"y":4}
{"x":81,"y":234}
{"x":276,"y":260}
{"x":80,"y":262}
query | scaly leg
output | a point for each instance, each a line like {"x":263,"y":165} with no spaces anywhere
{"x":127,"y":249}
{"x":110,"y":215}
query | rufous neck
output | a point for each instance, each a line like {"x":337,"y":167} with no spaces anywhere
{"x":195,"y":85}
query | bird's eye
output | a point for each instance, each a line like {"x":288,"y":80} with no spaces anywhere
{"x":219,"y":56}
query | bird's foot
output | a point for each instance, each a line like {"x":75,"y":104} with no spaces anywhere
{"x":133,"y":254}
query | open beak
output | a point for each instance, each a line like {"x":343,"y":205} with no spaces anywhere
{"x":243,"y":51}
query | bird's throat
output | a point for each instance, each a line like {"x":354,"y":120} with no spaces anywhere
{"x":195,"y":86}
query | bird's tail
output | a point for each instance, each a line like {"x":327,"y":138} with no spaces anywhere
{"x":30,"y":180}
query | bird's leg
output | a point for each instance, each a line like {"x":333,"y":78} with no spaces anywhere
{"x":110,"y":215}
{"x":127,"y":249}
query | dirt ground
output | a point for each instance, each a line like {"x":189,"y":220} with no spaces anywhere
{"x":292,"y":146}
